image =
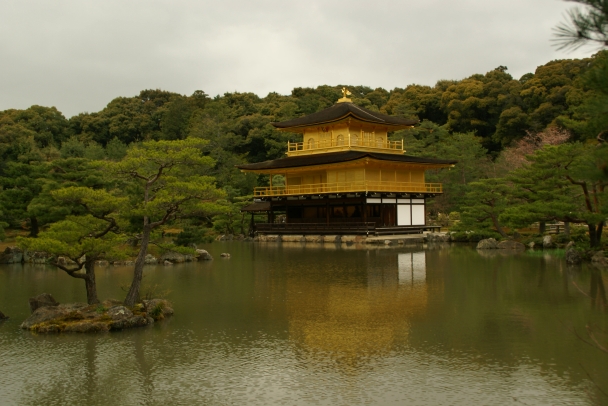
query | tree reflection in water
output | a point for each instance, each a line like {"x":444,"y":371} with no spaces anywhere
{"x":597,"y":291}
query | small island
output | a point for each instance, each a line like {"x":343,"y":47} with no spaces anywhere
{"x":49,"y":316}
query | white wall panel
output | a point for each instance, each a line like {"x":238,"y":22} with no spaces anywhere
{"x":403,"y":215}
{"x":417,"y":215}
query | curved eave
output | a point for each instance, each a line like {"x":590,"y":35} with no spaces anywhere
{"x":335,"y":158}
{"x":341,"y":112}
{"x":300,"y":128}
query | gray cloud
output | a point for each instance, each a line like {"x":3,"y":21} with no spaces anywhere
{"x":77,"y":55}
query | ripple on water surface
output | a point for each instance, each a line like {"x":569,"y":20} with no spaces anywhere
{"x":306,"y":325}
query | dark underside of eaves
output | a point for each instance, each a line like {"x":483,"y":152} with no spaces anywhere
{"x":337,"y":157}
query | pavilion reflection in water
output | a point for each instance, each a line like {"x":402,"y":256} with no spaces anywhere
{"x":412,"y":267}
{"x":353,"y":320}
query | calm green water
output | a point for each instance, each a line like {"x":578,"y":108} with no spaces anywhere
{"x":296,"y":324}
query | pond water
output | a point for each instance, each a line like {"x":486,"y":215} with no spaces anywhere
{"x":300,"y":324}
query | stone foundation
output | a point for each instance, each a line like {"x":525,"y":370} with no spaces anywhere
{"x":314,"y":239}
{"x":389,"y":240}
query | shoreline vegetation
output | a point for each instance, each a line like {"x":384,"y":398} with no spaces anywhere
{"x":483,"y":240}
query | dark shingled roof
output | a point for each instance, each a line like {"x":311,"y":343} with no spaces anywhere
{"x":257,"y":206}
{"x":340,"y":111}
{"x":337,"y":157}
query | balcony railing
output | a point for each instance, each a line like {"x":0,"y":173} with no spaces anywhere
{"x":349,"y":187}
{"x":350,"y":141}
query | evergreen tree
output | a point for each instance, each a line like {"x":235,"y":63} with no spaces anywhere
{"x":82,"y":239}
{"x":562,"y":182}
{"x":165,"y":183}
{"x":483,"y":204}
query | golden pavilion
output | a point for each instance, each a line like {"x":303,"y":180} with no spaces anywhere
{"x":345,"y":177}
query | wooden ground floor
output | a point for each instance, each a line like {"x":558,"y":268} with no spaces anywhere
{"x":347,"y":214}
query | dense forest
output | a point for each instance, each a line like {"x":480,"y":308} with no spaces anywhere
{"x":493,"y":124}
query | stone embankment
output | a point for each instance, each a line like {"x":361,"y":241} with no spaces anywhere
{"x":14,"y":255}
{"x":573,"y":256}
{"x":356,"y":239}
{"x":232,"y":237}
{"x":599,"y":259}
{"x":49,"y":316}
{"x":485,"y":246}
{"x":491,"y":243}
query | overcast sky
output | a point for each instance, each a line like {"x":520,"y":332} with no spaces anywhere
{"x":78,"y":55}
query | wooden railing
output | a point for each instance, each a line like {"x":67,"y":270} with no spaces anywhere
{"x":348,"y":142}
{"x":349,"y":187}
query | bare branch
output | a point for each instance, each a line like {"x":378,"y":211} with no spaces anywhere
{"x":72,"y":271}
{"x":585,"y":191}
{"x":112,"y":226}
{"x":171,"y":211}
{"x":158,"y":175}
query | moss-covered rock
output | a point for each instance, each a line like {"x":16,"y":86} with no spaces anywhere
{"x":83,"y":318}
{"x":11,"y":255}
{"x":487,"y":244}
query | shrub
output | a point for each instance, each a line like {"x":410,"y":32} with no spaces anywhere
{"x":478,"y":235}
{"x":474,"y":236}
{"x":561,"y":239}
{"x":460,"y":236}
{"x":192,"y":235}
{"x":579,"y":234}
{"x":537,"y":239}
{"x":454,"y":215}
{"x":157,"y":312}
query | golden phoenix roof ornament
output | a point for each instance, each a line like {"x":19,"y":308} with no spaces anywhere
{"x":345,"y":93}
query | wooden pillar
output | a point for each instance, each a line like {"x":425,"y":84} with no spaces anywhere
{"x":252,"y":226}
{"x":271,"y":217}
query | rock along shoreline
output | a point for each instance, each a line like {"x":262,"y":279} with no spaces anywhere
{"x":15,"y":255}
